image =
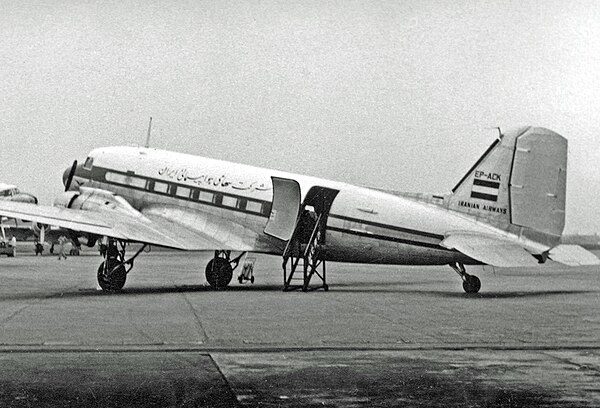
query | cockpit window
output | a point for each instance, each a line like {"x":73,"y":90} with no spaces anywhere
{"x":9,"y":192}
{"x":89,"y":162}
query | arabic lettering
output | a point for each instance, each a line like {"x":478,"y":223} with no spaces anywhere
{"x":183,"y":174}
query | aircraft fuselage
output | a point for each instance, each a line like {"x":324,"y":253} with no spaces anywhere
{"x":363,"y":225}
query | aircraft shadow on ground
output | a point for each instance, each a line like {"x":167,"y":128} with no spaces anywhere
{"x":363,"y":287}
{"x":458,"y":293}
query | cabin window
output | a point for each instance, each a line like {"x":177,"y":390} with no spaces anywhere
{"x":229,"y":201}
{"x":89,"y":162}
{"x":195,"y":193}
{"x":135,"y":182}
{"x":253,"y":206}
{"x":182,"y":192}
{"x":206,"y":196}
{"x":125,"y":179}
{"x":115,"y":177}
{"x":160,"y":187}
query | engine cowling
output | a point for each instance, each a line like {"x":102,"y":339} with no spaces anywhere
{"x":95,"y":199}
{"x":65,"y":199}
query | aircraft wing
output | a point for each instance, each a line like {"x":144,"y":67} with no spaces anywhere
{"x":156,"y":228}
{"x":573,"y":255}
{"x":490,"y":250}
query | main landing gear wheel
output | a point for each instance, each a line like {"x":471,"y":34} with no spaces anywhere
{"x":112,"y":273}
{"x":471,"y":284}
{"x":112,"y":279}
{"x":219,"y":273}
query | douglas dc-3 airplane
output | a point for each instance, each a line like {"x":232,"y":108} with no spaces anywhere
{"x":10,"y":192}
{"x":507,"y":211}
{"x":26,"y":230}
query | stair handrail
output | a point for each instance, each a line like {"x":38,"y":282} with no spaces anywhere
{"x":313,"y":235}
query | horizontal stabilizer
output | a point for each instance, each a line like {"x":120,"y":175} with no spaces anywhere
{"x":573,"y":255}
{"x":490,"y":250}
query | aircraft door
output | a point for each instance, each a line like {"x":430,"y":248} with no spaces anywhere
{"x":285,"y":208}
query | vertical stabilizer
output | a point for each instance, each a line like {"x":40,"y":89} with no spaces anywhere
{"x":520,"y":181}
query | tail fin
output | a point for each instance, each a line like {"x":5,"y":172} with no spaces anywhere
{"x":519,"y":184}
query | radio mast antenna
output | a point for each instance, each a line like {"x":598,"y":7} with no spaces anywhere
{"x":149,"y":132}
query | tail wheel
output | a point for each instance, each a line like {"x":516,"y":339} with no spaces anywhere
{"x":218,"y":273}
{"x":114,"y":279}
{"x":471,"y":284}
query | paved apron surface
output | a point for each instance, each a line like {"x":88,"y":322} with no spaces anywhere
{"x":382,"y":336}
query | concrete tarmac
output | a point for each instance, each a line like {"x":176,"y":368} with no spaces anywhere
{"x":381,"y":336}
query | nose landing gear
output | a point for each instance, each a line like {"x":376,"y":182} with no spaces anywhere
{"x":471,"y":283}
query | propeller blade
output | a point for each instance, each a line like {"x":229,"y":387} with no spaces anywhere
{"x":69,"y":178}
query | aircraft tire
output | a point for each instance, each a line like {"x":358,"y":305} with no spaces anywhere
{"x":218,"y":273}
{"x":116,"y":279}
{"x":471,"y":284}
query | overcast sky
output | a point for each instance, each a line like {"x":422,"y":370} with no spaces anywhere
{"x":392,"y":94}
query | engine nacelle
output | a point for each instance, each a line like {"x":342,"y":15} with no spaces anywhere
{"x":95,"y":199}
{"x":37,"y":228}
{"x":64,"y":200}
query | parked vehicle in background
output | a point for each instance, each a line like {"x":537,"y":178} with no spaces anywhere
{"x":6,"y":248}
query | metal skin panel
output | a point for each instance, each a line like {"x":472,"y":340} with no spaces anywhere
{"x":538,"y":182}
{"x":285,"y":208}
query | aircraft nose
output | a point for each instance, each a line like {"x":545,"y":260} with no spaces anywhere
{"x":65,"y":175}
{"x":25,"y":198}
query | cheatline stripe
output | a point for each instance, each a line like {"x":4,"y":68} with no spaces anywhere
{"x":489,"y":197}
{"x":387,"y":226}
{"x":386,"y":238}
{"x":486,"y":183}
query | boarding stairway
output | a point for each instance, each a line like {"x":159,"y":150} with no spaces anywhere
{"x":301,"y":224}
{"x":305,"y":256}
